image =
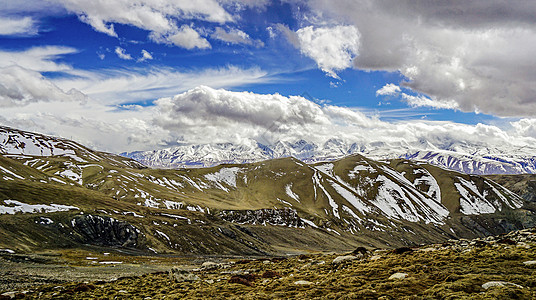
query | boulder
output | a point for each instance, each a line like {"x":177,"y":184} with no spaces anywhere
{"x":181,"y":275}
{"x":529,"y":262}
{"x":491,"y":284}
{"x":398,"y":276}
{"x":346,"y":258}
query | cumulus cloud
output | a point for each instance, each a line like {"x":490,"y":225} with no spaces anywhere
{"x":389,"y":89}
{"x":525,"y":127}
{"x":185,"y":37}
{"x":25,"y":26}
{"x":122,"y":54}
{"x":19,"y":86}
{"x":158,"y":17}
{"x":21,"y":81}
{"x":332,"y":48}
{"x":478,"y":54}
{"x":235,"y":36}
{"x":145,"y":55}
{"x":206,"y":115}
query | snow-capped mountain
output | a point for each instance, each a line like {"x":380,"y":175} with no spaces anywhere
{"x":238,"y":208}
{"x":470,"y":159}
{"x":19,"y":143}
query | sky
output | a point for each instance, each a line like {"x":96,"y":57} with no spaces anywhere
{"x":126,"y":75}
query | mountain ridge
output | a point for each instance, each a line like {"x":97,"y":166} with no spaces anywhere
{"x":464,"y":158}
{"x":274,"y":206}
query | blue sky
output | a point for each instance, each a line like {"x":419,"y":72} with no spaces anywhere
{"x":124,"y":55}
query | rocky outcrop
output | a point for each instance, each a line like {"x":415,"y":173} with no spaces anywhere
{"x":106,"y":231}
{"x":280,"y":217}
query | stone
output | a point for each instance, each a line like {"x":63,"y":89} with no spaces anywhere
{"x":302,"y":282}
{"x":491,"y":284}
{"x":209,"y":265}
{"x":529,"y":262}
{"x":345,"y":258}
{"x":180,"y":275}
{"x":397,"y":276}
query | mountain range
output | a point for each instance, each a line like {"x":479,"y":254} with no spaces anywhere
{"x":462,"y":157}
{"x":55,"y":193}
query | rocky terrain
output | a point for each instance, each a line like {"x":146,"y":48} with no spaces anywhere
{"x":495,"y":267}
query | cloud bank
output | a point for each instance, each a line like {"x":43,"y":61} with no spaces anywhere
{"x":476,"y":54}
{"x":206,"y":115}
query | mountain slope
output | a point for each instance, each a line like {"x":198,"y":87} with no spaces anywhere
{"x":274,"y":206}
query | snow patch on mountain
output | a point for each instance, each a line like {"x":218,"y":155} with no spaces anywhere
{"x":290,"y":193}
{"x":224,"y":175}
{"x":13,"y":206}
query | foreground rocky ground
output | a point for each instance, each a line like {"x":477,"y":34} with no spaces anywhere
{"x":502,"y":267}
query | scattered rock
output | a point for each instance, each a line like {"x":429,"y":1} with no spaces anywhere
{"x":345,"y":258}
{"x":270,"y":274}
{"x":429,"y":249}
{"x":246,"y":279}
{"x":529,"y":262}
{"x":180,"y":275}
{"x":210,"y":265}
{"x":360,"y":250}
{"x":397,"y":276}
{"x":490,"y":284}
{"x":82,"y":287}
{"x":302,"y":282}
{"x":507,"y":241}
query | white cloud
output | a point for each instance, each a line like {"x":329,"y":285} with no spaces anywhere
{"x":422,"y":101}
{"x":156,"y":16}
{"x":185,"y":37}
{"x":206,"y":115}
{"x":131,"y":85}
{"x":41,"y":59}
{"x":525,"y":127}
{"x":145,"y":55}
{"x":121,"y":53}
{"x":21,"y":82}
{"x":481,"y":56}
{"x":389,"y":89}
{"x":332,"y":48}
{"x":235,"y":36}
{"x":19,"y":86}
{"x":18,"y":26}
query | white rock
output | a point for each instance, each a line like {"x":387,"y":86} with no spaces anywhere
{"x":529,"y":262}
{"x":397,"y":276}
{"x":209,"y":265}
{"x":490,"y":284}
{"x":429,"y":249}
{"x":345,"y":258}
{"x":303,"y":282}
